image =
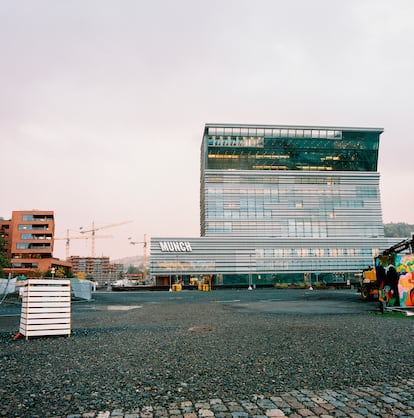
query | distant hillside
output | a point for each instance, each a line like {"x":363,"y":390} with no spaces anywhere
{"x":128,"y":261}
{"x":398,"y":230}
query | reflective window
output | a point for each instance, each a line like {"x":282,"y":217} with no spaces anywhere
{"x":295,"y":150}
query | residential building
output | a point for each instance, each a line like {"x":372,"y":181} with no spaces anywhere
{"x":95,"y":268}
{"x":29,"y":242}
{"x":116,"y":271}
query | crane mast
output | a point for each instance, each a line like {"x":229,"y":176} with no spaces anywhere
{"x":145,"y":242}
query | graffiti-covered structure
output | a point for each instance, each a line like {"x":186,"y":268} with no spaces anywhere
{"x":281,"y":204}
{"x":394,"y":271}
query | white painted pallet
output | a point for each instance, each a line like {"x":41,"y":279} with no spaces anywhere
{"x":46,"y":308}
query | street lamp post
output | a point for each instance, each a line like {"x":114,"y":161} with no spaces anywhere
{"x":170,"y":289}
{"x":310,"y":276}
{"x":250,"y":273}
{"x":177,"y":276}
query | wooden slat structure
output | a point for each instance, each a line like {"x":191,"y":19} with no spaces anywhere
{"x":46,"y":308}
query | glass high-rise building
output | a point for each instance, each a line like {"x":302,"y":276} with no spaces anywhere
{"x":282,"y":203}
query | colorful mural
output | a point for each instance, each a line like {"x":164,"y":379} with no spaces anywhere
{"x":395,"y":274}
{"x":405,"y":268}
{"x":406,"y":289}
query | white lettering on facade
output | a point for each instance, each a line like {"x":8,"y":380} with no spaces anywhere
{"x":176,"y":246}
{"x":163,"y":246}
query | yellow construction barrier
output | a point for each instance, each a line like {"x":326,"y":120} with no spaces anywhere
{"x":176,"y":287}
{"x":204,"y":287}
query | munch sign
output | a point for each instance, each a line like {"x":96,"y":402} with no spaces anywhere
{"x":176,"y":246}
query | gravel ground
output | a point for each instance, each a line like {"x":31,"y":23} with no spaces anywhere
{"x":166,"y":352}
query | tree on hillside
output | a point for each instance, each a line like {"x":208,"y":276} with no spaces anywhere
{"x":132,"y":270}
{"x":398,"y":230}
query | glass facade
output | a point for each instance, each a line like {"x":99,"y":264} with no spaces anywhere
{"x":291,"y":204}
{"x":282,"y":203}
{"x":292,"y":182}
{"x":267,"y":261}
{"x":277,"y":148}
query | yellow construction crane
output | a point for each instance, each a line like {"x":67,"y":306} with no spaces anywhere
{"x":93,"y":230}
{"x":68,"y":238}
{"x":145,"y":242}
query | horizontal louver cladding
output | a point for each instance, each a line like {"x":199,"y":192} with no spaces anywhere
{"x":242,"y":255}
{"x":291,"y":205}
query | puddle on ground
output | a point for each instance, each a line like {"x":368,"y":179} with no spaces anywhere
{"x":118,"y":308}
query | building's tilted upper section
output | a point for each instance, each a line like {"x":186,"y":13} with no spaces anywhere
{"x":280,"y":147}
{"x":290,"y":181}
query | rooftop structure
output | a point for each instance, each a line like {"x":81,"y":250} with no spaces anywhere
{"x":281,"y":147}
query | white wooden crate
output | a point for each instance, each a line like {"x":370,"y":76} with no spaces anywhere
{"x":46,"y":308}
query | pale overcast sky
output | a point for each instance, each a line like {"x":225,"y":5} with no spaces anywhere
{"x":103,"y":103}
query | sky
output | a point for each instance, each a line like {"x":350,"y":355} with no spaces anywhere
{"x":103,"y":103}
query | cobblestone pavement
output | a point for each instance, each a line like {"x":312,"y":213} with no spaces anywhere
{"x":383,"y":401}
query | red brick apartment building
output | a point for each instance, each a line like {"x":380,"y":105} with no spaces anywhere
{"x":29,"y":237}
